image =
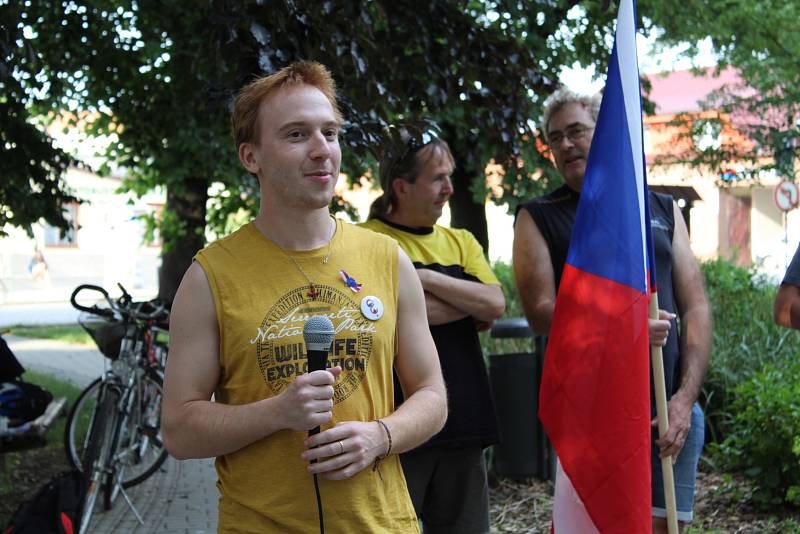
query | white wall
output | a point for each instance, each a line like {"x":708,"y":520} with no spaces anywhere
{"x":770,"y":229}
{"x":109,"y":247}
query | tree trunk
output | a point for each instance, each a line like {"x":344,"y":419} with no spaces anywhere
{"x":188,"y":204}
{"x":464,"y":211}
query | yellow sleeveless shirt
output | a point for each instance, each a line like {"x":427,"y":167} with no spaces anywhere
{"x":262,"y":301}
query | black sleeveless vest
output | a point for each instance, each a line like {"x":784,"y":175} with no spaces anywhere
{"x":554,"y":215}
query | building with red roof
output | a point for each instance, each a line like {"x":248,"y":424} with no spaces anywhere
{"x":727,"y":216}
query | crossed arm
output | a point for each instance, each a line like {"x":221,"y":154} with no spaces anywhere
{"x":449,"y":299}
{"x":196,"y":427}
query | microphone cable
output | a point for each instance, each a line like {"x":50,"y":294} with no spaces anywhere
{"x":319,"y":506}
{"x":316,"y":490}
{"x":318,"y":335}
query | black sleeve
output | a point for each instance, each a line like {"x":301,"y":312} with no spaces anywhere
{"x":793,"y":272}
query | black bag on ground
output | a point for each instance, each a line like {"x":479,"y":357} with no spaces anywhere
{"x":21,"y":401}
{"x":10,"y":368}
{"x":55,"y":509}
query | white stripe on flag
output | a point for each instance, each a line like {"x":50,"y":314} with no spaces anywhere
{"x":569,"y":513}
{"x":629,"y":77}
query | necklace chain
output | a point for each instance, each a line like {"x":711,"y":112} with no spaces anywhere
{"x":312,"y":290}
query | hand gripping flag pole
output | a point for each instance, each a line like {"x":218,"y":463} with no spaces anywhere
{"x":663,"y":422}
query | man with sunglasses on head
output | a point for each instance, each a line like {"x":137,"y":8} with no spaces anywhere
{"x":542,"y":234}
{"x":447,"y":475}
{"x":237,"y":333}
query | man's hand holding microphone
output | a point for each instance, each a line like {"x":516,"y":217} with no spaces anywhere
{"x":345,"y":449}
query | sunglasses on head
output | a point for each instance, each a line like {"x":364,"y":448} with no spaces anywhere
{"x":407,"y":142}
{"x":417,"y":140}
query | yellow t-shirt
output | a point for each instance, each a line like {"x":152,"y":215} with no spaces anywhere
{"x":471,"y":419}
{"x":262,"y":301}
{"x":451,"y":251}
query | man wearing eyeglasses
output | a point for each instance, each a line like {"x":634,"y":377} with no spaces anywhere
{"x":446,"y":476}
{"x":542,"y":234}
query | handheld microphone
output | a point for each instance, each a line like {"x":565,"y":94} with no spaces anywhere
{"x":318,"y":335}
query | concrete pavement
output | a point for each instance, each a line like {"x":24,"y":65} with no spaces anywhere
{"x":181,"y":498}
{"x":78,"y":364}
{"x":37,"y":314}
{"x":52,"y":309}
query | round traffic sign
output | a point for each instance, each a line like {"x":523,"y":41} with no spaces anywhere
{"x":786,"y":195}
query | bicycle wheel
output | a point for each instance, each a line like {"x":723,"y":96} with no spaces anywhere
{"x":79,"y":424}
{"x":97,"y":452}
{"x":141,"y":450}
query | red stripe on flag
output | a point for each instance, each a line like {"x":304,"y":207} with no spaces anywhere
{"x":595,"y":398}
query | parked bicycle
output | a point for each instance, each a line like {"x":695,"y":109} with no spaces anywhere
{"x":113,"y":431}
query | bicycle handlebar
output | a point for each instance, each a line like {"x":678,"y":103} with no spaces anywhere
{"x":123,"y":306}
{"x":94,"y":309}
{"x":159,"y":310}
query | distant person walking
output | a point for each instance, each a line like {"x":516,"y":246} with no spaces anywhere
{"x":38,"y":267}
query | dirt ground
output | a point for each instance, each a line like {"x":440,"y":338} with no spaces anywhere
{"x":525,"y":507}
{"x":24,"y":473}
{"x":516,"y":507}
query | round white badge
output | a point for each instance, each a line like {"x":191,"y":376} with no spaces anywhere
{"x":372,"y":308}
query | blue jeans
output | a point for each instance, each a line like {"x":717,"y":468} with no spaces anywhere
{"x":684,"y":471}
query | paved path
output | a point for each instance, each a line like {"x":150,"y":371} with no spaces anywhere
{"x":38,"y":313}
{"x":79,"y":364}
{"x":180,"y":499}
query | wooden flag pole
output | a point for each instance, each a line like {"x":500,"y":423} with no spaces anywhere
{"x":663,"y":423}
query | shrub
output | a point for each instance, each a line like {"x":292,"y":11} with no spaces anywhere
{"x":505,"y":274}
{"x":745,"y":337}
{"x":764,"y":442}
{"x":752,"y":390}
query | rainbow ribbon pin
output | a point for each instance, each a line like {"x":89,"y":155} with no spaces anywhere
{"x":350,"y":282}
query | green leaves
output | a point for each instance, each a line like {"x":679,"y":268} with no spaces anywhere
{"x":760,"y":40}
{"x":768,"y":404}
{"x":32,"y":168}
{"x":753,"y":385}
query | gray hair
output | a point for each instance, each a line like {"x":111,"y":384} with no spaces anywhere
{"x":562,"y":97}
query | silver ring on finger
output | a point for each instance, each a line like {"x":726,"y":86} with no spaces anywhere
{"x":341,"y":447}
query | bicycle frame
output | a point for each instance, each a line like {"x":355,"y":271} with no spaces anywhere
{"x":123,"y":432}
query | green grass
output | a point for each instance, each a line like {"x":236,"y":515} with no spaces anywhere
{"x":768,"y":526}
{"x":58,"y":388}
{"x":69,"y":333}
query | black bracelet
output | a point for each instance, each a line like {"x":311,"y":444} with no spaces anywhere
{"x":376,"y":464}
{"x":388,"y":435}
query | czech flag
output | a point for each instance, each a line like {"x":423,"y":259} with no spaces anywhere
{"x":595,"y":397}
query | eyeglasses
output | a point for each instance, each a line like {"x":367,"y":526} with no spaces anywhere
{"x":573,"y":133}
